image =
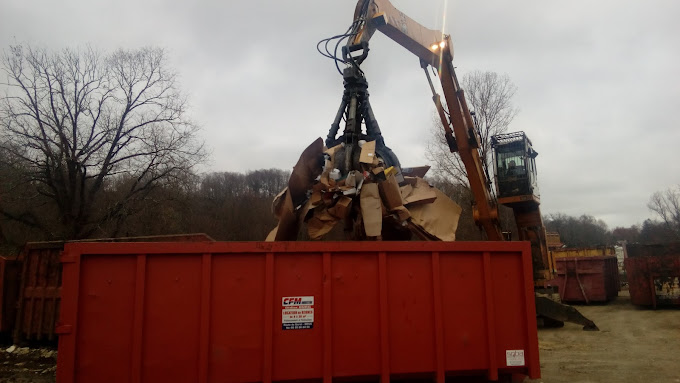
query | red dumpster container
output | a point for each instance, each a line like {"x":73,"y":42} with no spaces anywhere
{"x":587,"y":279}
{"x":653,"y":273}
{"x":292,"y":311}
{"x":40,"y":284}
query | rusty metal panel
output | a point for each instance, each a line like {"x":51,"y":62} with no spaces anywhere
{"x":635,"y":250}
{"x":10,"y":272}
{"x":39,"y":292}
{"x":584,"y":252}
{"x":177,"y":312}
{"x":553,"y":240}
{"x":587,"y":279}
{"x":653,"y":273}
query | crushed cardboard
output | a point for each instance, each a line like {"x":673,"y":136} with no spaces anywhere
{"x":402,"y":213}
{"x":332,"y":151}
{"x":368,"y":153}
{"x":390,"y":193}
{"x":399,"y":175}
{"x":418,"y":171}
{"x":439,"y":218}
{"x":271,"y":237}
{"x":388,"y":199}
{"x":288,"y":227}
{"x":371,"y":209}
{"x":277,"y":203}
{"x":341,"y":208}
{"x":321,"y":223}
{"x":351,"y":180}
{"x":421,"y":192}
{"x":305,"y":172}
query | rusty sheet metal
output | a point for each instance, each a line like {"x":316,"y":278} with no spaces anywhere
{"x":599,"y":251}
{"x":587,"y":279}
{"x":652,"y":250}
{"x":553,"y":240}
{"x":40,"y":290}
{"x":10,"y":272}
{"x":654,"y":279}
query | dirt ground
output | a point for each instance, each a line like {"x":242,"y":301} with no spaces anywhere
{"x":24,"y":365}
{"x":633,"y":345}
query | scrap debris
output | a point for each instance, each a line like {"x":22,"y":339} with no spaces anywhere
{"x":375,"y":201}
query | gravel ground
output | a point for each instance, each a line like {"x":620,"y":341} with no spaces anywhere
{"x":633,"y":345}
{"x":24,"y":365}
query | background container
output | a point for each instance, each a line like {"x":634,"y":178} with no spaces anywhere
{"x":10,"y":272}
{"x":39,"y":291}
{"x":181,"y":312}
{"x":653,"y":273}
{"x":583,"y":252}
{"x":587,"y":279}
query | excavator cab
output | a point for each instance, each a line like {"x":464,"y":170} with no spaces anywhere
{"x":515,"y":168}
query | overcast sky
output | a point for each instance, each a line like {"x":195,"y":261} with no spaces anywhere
{"x":598,"y":87}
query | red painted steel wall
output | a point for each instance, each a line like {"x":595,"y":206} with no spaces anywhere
{"x":40,"y":284}
{"x":644,"y":273}
{"x":212,"y":312}
{"x":587,"y":279}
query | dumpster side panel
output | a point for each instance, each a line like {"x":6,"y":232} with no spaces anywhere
{"x":639,"y":284}
{"x":106,"y":317}
{"x":461,"y":353}
{"x":172,"y":309}
{"x":237,"y":338}
{"x":355,"y":278}
{"x":587,"y":279}
{"x":410,"y":313}
{"x":507,"y":272}
{"x":583,"y":252}
{"x":222,"y":311}
{"x":297,"y":352}
{"x":39,"y":294}
{"x":634,"y":250}
{"x":653,"y":280}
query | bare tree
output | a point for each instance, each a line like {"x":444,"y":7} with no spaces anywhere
{"x":653,"y":231}
{"x":77,"y":119}
{"x":581,"y":231}
{"x":667,"y":205}
{"x":489,"y":96}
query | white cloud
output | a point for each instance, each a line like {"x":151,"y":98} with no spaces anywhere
{"x":597,"y":80}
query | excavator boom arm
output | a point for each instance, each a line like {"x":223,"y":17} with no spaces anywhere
{"x":383,"y":16}
{"x":434,"y":48}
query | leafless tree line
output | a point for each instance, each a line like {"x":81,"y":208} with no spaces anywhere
{"x":228,"y":206}
{"x":77,"y":122}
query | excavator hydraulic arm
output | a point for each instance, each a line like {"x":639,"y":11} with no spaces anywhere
{"x":434,"y":48}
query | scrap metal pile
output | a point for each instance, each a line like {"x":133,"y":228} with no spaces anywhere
{"x":375,"y":201}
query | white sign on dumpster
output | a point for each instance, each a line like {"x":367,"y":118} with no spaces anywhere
{"x":514,"y":357}
{"x":297,"y":313}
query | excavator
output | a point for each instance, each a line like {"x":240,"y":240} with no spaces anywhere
{"x":514,"y":164}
